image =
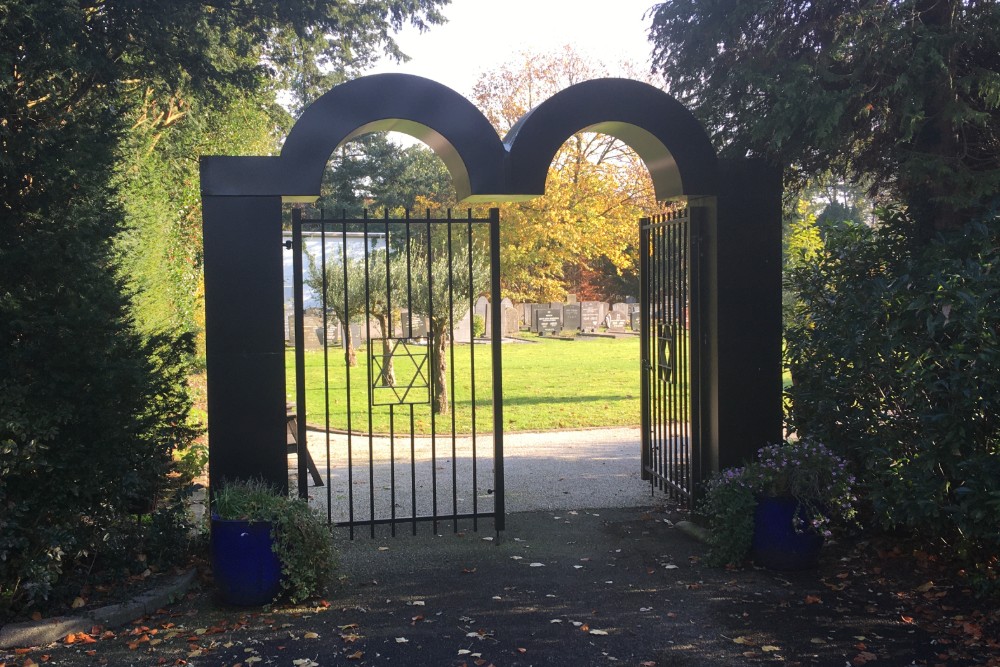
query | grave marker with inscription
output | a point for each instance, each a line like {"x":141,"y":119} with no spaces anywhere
{"x":590,"y":316}
{"x":558,"y":307}
{"x":547,"y":321}
{"x":615,"y":322}
{"x":571,"y":316}
{"x":533,"y":317}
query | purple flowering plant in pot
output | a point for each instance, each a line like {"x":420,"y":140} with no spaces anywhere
{"x":779,"y":507}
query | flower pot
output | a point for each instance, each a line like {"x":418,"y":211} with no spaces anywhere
{"x":776,"y":544}
{"x":247,"y":572}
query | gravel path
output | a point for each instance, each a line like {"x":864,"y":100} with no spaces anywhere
{"x":542,"y":471}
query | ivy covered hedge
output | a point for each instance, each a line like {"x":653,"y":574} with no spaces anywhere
{"x":894,"y":349}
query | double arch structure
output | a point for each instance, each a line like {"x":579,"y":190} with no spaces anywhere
{"x":739,"y":203}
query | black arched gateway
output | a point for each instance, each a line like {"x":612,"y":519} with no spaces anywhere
{"x":737,"y":204}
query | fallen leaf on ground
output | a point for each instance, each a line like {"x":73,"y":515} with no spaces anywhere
{"x":863,"y":658}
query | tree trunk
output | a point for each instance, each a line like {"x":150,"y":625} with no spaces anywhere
{"x":939,"y":135}
{"x":388,"y":377}
{"x":350,"y":354}
{"x":439,"y":362}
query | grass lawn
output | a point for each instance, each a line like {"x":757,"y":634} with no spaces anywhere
{"x":547,"y":384}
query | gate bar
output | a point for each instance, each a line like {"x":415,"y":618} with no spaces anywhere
{"x":496,"y":331}
{"x":644,"y":364}
{"x":301,"y":450}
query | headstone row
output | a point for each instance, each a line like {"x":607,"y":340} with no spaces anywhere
{"x":585,"y":316}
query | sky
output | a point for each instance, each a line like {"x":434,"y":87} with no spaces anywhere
{"x":483,"y":34}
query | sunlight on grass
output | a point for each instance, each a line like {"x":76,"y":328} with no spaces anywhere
{"x":547,"y":385}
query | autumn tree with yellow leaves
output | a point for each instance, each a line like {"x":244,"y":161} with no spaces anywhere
{"x":596,"y":191}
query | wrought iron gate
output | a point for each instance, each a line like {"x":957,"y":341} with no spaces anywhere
{"x":669,"y":288}
{"x":411,"y":430}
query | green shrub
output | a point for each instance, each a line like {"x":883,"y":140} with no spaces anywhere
{"x":894,"y":348}
{"x":87,"y":431}
{"x":478,"y":326}
{"x":302,"y":541}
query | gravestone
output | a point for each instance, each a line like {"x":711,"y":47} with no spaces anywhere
{"x":571,"y":316}
{"x":462,"y":329}
{"x":615,"y":322}
{"x":511,"y":327}
{"x":374,"y":328}
{"x":620,"y":307}
{"x":482,"y":309}
{"x":635,"y":318}
{"x":547,"y":321}
{"x":312,"y":326}
{"x":532,"y":316}
{"x":509,"y":324}
{"x":419,"y":325}
{"x":590,"y":316}
{"x":558,"y":307}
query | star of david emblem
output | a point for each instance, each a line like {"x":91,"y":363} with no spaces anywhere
{"x":409,"y":383}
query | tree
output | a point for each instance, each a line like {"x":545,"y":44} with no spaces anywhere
{"x":160,"y":245}
{"x":90,"y":407}
{"x":343,"y":277}
{"x":376,"y":173}
{"x":893,"y":348}
{"x":442,"y":290}
{"x":597,"y":188}
{"x":900,"y":94}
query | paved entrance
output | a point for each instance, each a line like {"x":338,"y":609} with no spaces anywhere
{"x":543,"y":471}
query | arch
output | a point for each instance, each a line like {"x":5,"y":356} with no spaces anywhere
{"x":668,"y":138}
{"x":426,"y":110}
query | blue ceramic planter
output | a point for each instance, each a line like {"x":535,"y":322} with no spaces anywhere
{"x":775,"y":544}
{"x":246,"y":570}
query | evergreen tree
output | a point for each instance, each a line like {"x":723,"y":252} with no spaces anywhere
{"x":901,"y":94}
{"x":90,"y":409}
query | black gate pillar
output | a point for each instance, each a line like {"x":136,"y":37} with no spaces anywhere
{"x":245,"y":339}
{"x":742,"y":310}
